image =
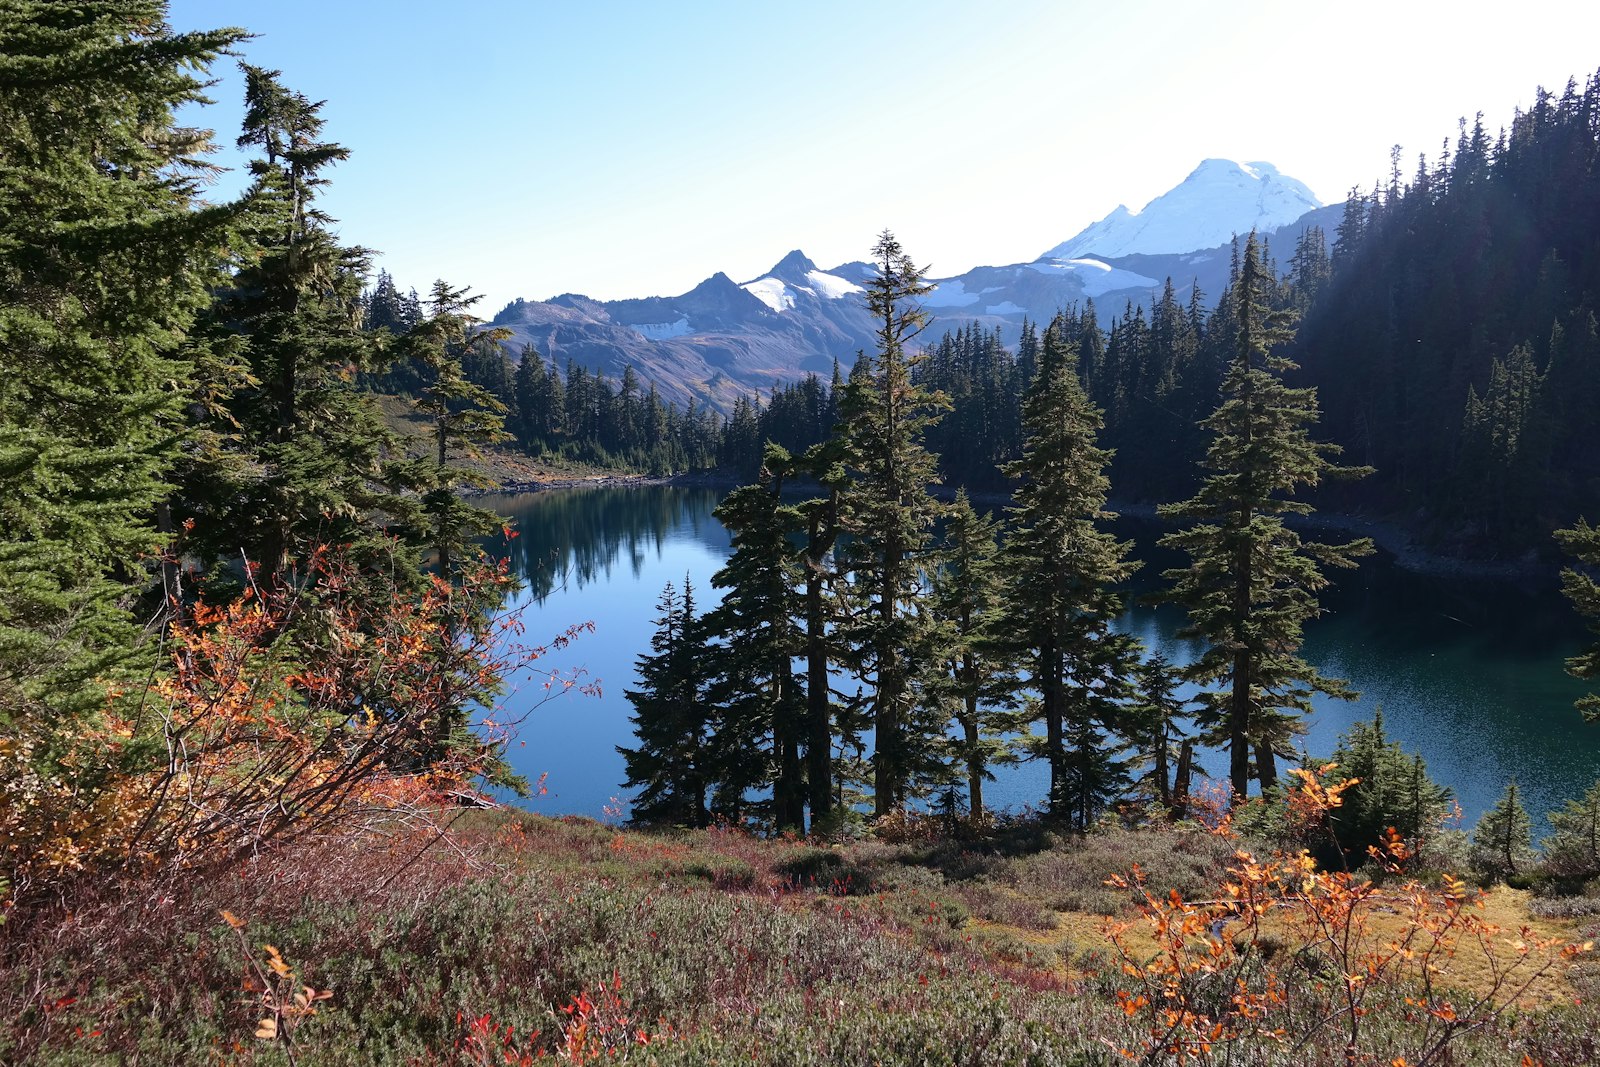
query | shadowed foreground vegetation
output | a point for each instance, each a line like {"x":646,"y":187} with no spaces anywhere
{"x":514,"y":937}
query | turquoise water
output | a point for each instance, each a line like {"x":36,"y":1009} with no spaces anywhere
{"x":1467,"y":671}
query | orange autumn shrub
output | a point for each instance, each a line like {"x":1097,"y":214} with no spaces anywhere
{"x":283,"y":713}
{"x":1291,"y":957}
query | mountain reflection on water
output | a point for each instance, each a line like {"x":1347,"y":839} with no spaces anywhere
{"x":1468,"y":672}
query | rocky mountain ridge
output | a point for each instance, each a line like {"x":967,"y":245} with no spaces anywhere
{"x":723,"y":338}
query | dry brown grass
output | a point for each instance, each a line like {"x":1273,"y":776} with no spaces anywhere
{"x":501,"y":466}
{"x":1078,"y":932}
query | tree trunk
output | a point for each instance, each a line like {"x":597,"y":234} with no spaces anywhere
{"x":969,"y":725}
{"x":1050,"y":696}
{"x":1163,"y":787}
{"x":819,"y":725}
{"x":1266,"y":765}
{"x":1179,"y":805}
{"x":888,"y":772}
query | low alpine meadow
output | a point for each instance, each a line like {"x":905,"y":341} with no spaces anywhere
{"x":513,"y":938}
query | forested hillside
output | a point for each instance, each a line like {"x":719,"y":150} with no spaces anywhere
{"x":1454,"y":342}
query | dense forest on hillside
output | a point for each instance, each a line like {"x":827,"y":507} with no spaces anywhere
{"x":1454,"y":342}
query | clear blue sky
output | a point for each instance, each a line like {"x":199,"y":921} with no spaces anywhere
{"x":630,"y":149}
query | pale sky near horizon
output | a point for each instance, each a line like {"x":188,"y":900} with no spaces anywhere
{"x":633,"y":149}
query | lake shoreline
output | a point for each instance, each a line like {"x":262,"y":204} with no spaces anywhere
{"x":1390,"y":537}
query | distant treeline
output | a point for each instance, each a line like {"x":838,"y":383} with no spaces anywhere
{"x":1449,"y":326}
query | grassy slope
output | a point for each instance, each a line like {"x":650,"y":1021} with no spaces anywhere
{"x":499,"y":466}
{"x":518,"y":935}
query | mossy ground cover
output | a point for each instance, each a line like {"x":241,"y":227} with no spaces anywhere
{"x":514,"y":937}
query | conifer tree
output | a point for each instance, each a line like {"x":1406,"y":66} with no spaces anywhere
{"x":968,"y":599}
{"x":464,"y":415}
{"x":1063,"y":566}
{"x":1581,"y":586}
{"x":761,"y":702}
{"x":1502,"y":842}
{"x":1155,"y":716}
{"x":1251,"y":582}
{"x":671,"y":718}
{"x":1392,"y":790}
{"x":106,"y":256}
{"x":314,"y":445}
{"x":820,"y":516}
{"x":889,"y":516}
{"x":1573,"y":848}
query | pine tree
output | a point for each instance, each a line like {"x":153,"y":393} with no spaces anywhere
{"x":106,"y":257}
{"x":671,"y":718}
{"x":968,"y":599}
{"x":889,"y":516}
{"x":761,"y":701}
{"x":1505,"y":442}
{"x":1392,"y":790}
{"x":1156,"y":716}
{"x":1581,"y":586}
{"x":1251,"y":583}
{"x":820,"y":517}
{"x":464,"y":415}
{"x":1063,"y":567}
{"x":1572,"y":850}
{"x":533,"y":402}
{"x":1502,"y":842}
{"x":313,"y":446}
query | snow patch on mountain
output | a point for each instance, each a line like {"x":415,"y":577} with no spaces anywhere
{"x":1098,"y":278}
{"x":660,"y":331}
{"x":1219,"y":198}
{"x":1007,"y":308}
{"x":831,"y":286}
{"x":949,"y":294}
{"x":771,"y":292}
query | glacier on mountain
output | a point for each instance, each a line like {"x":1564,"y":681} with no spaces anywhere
{"x":795,"y":274}
{"x":771,"y":292}
{"x":1219,"y":198}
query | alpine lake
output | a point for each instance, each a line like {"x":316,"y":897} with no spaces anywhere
{"x":1467,"y":670}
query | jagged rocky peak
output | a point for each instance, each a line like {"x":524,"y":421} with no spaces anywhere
{"x":792,"y":267}
{"x":796,"y":278}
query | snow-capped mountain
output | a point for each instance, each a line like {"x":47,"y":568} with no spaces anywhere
{"x":796,"y":279}
{"x":1219,"y":198}
{"x":724,"y":338}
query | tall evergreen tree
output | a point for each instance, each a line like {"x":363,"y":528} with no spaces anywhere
{"x":671,"y":718}
{"x":762,"y":701}
{"x":106,"y":256}
{"x":464,"y":415}
{"x":1251,"y":582}
{"x":890,"y":516}
{"x":820,"y":517}
{"x":315,"y":445}
{"x":1063,"y":567}
{"x":980,"y":683}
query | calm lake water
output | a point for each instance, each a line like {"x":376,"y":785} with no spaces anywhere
{"x":1467,"y":671}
